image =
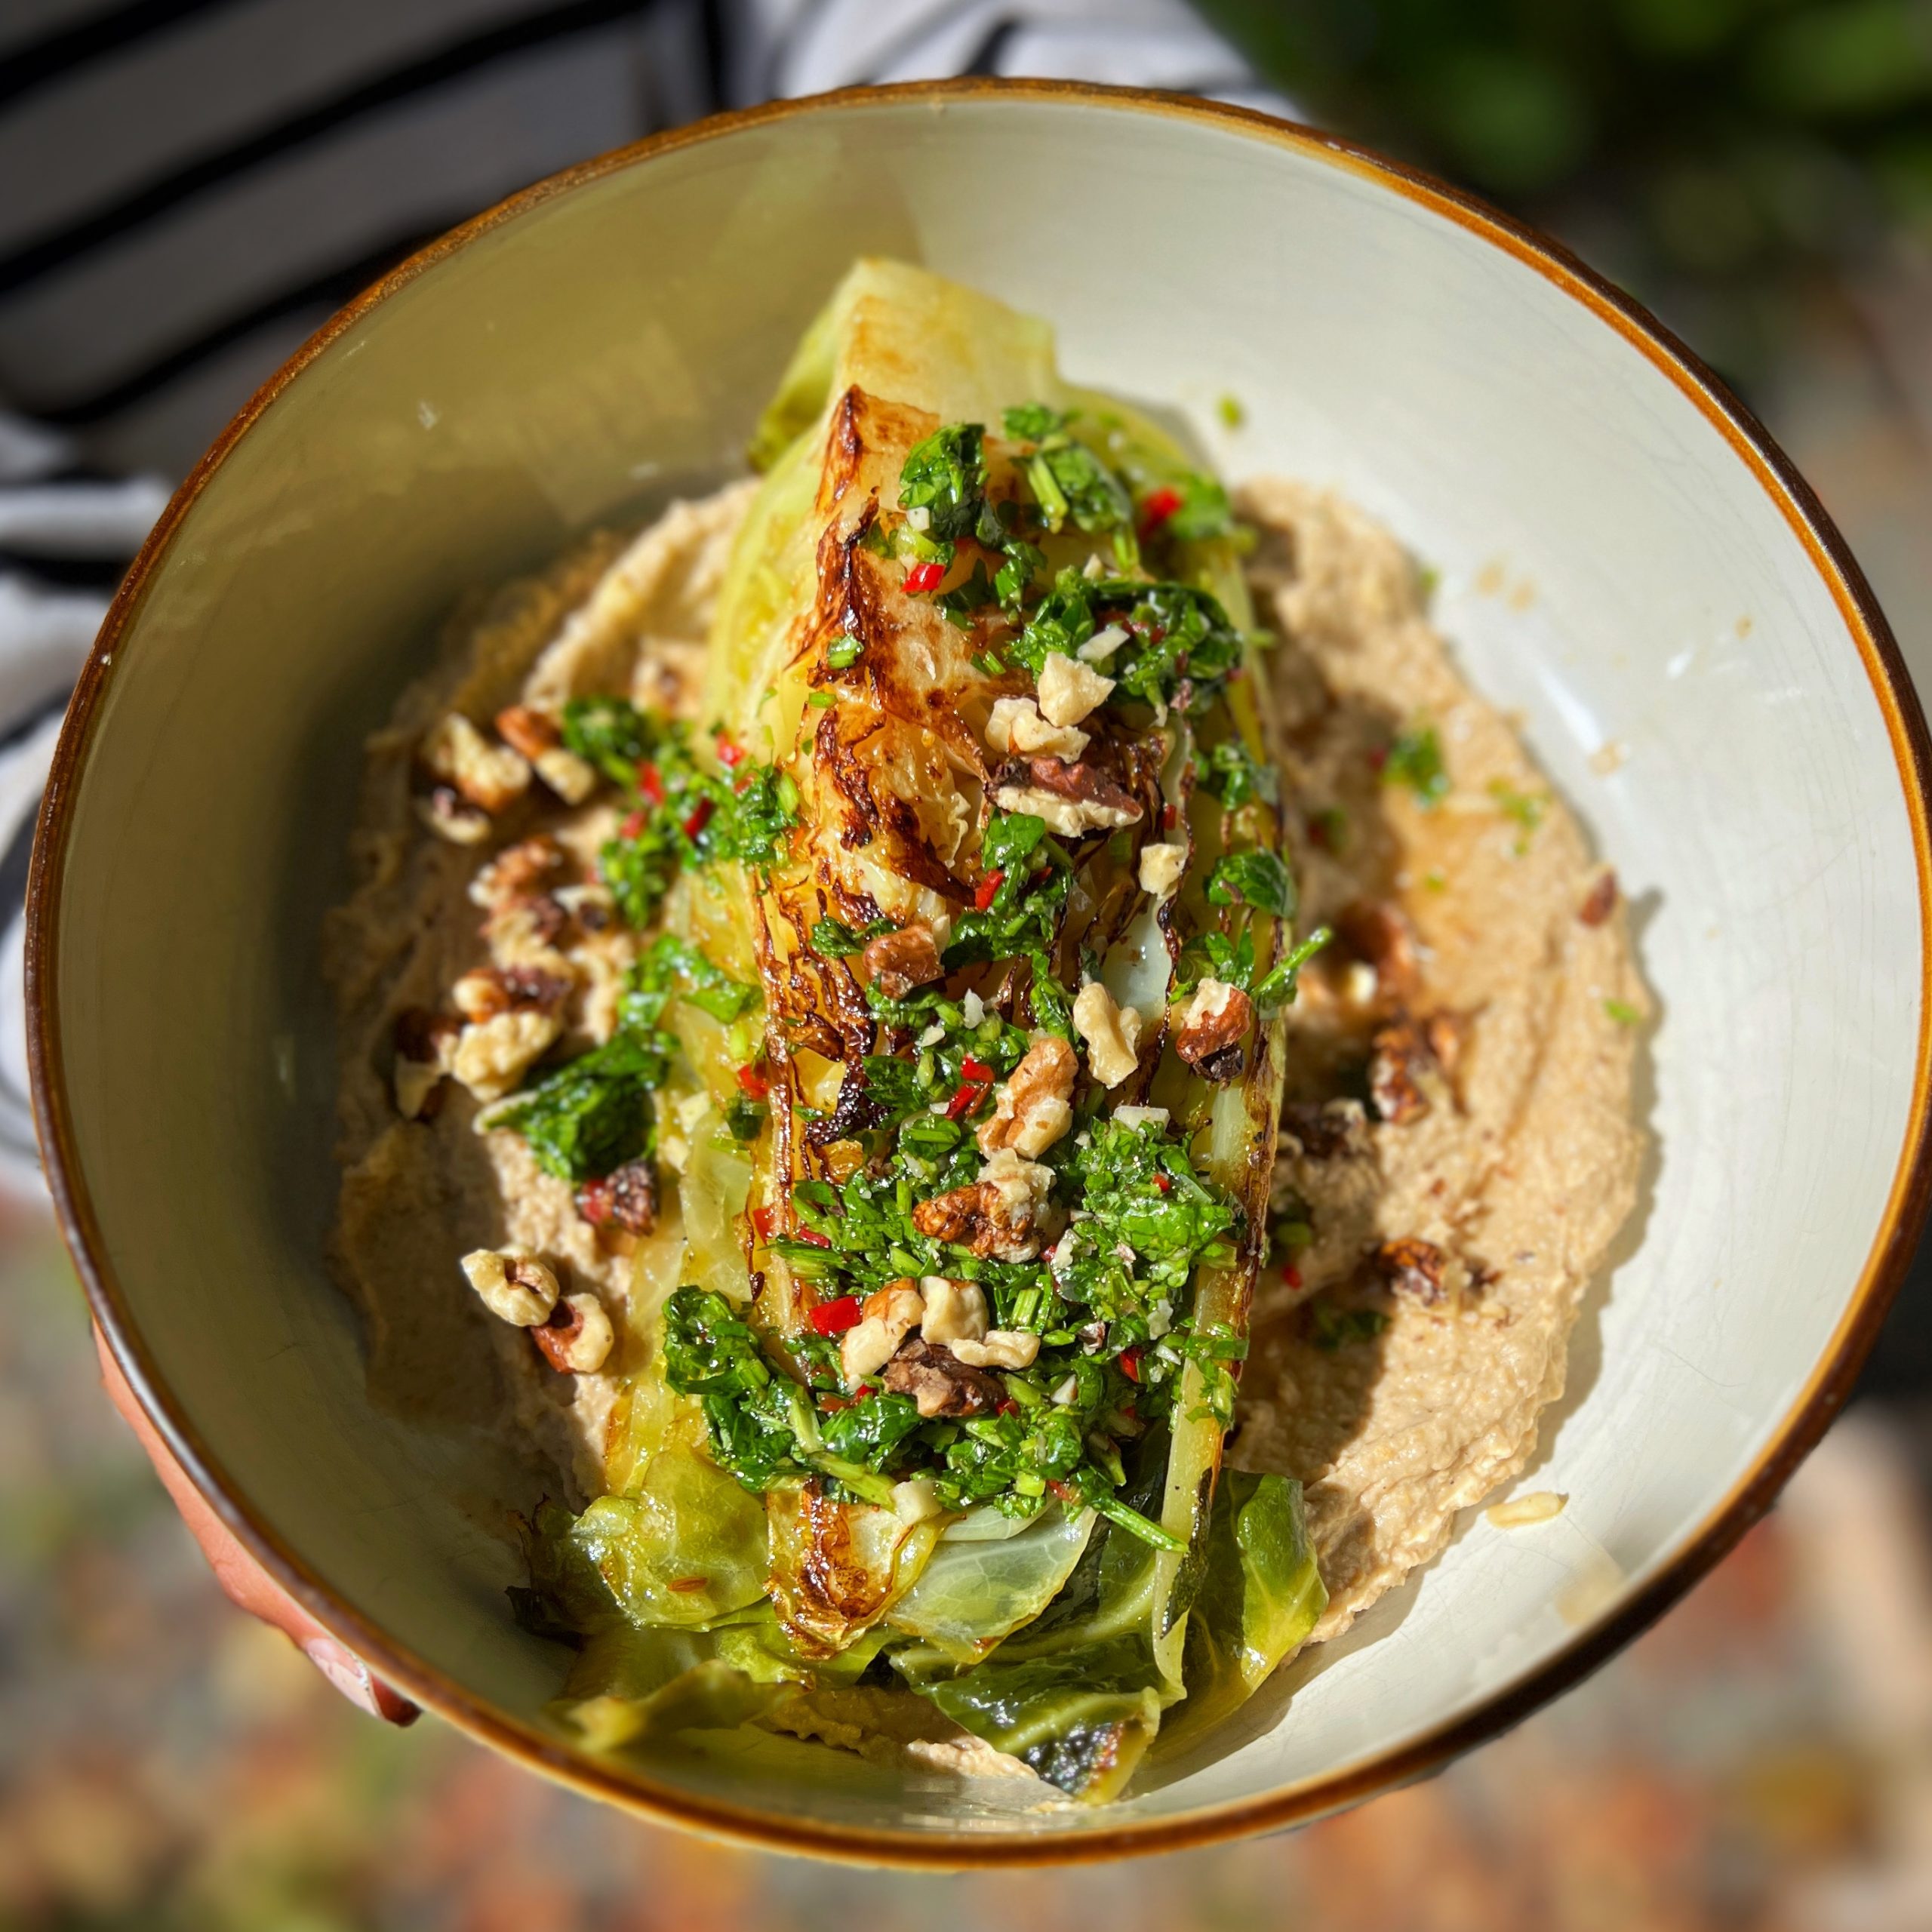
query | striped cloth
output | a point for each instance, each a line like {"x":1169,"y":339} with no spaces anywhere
{"x":192,"y":186}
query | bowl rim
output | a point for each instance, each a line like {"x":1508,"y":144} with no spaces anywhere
{"x":1797,"y":1431}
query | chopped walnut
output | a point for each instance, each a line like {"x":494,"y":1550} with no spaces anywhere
{"x":1400,"y":1061}
{"x":1113,"y":1034}
{"x":516,"y":871}
{"x":1000,"y":1348}
{"x":487,"y":991}
{"x":528,"y":934}
{"x":1601,"y":902}
{"x":1162,"y":867}
{"x":491,"y":1056}
{"x":1212,"y":1027}
{"x":887,"y":1317}
{"x":444,"y":811}
{"x":537,"y":736}
{"x":1016,"y":728}
{"x":1326,"y":1132}
{"x":1379,"y":935}
{"x":998,"y":1216}
{"x":1069,"y":690}
{"x":956,"y":1311}
{"x":517,"y":1288}
{"x":1032,"y":1109}
{"x":1412,"y":1266}
{"x":1073,"y":799}
{"x":895,"y":962}
{"x":577,"y":1337}
{"x":940,"y":1383}
{"x":422,"y":1043}
{"x":490,"y":777}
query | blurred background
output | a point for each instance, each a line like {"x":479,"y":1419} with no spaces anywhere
{"x":1759,"y":172}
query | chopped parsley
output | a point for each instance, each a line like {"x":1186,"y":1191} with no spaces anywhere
{"x":1622,"y":1012}
{"x":1525,"y":808}
{"x":1259,"y":878}
{"x":688,"y":812}
{"x":1330,"y":1328}
{"x":594,"y":1113}
{"x":1415,"y":760}
{"x":1230,"y":772}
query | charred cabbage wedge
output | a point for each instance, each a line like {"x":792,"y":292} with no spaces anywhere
{"x":964,"y":1024}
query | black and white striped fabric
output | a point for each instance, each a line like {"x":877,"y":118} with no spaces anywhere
{"x":191,"y":187}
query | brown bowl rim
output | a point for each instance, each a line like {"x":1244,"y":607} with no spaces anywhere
{"x":1798,"y":1431}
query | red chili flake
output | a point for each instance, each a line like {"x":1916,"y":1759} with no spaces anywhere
{"x":812,"y":1238}
{"x":700,"y":818}
{"x":982,"y":893}
{"x":730,"y":754}
{"x":971,"y":1093}
{"x":632,"y":826}
{"x":1378,"y":758}
{"x":596,"y":1201}
{"x":832,"y":1404}
{"x":745,"y":784}
{"x":1159,"y":505}
{"x":764,"y":1219}
{"x":922,"y":577}
{"x":1163,"y":1184}
{"x":1130,"y":1363}
{"x":753,"y":1082}
{"x":1292,"y":1276}
{"x":1060,"y":1492}
{"x":1008,"y":1407}
{"x":970,"y":1069}
{"x":651,"y":784}
{"x":834,"y":1318}
{"x":1170,"y":817}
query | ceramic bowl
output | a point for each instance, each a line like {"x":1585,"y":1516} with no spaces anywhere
{"x":1625,"y":560}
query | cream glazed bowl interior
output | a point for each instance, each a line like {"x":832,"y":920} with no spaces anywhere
{"x":1624,"y":560}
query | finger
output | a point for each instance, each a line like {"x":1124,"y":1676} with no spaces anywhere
{"x":243,"y":1580}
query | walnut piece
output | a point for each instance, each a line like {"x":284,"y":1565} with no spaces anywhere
{"x":423,"y":1041}
{"x":1400,"y":1060}
{"x":956,"y":1311}
{"x":487,"y":991}
{"x":1113,"y":1034}
{"x":887,"y":1317}
{"x":443,"y":812}
{"x":516,"y":871}
{"x":1326,"y":1132}
{"x":516,"y":1287}
{"x":538,"y":737}
{"x":1412,"y":1266}
{"x":1069,"y":689}
{"x":1074,"y":799}
{"x":940,"y":1383}
{"x":1017,"y":728}
{"x":576,"y":1338}
{"x":491,"y":1056}
{"x":1163,"y":864}
{"x":998,"y":1216}
{"x":1033,"y":1107}
{"x":1601,"y":902}
{"x":490,"y":777}
{"x":1000,"y":1348}
{"x":1213,"y":1025}
{"x":895,"y":962}
{"x":1378,"y":934}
